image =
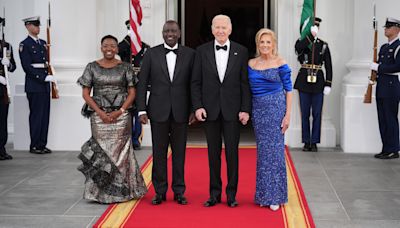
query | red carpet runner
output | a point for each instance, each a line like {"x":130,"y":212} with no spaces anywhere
{"x":169,"y":214}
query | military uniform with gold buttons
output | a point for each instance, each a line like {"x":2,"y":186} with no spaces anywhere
{"x":33,"y":55}
{"x":388,"y":92}
{"x":312,"y":84}
{"x":125,"y":52}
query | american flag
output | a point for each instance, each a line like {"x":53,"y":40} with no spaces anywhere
{"x":135,"y":19}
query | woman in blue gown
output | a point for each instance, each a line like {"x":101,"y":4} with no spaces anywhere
{"x":271,"y":86}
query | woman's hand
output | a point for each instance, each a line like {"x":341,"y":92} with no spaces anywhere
{"x":285,"y":123}
{"x":105,"y":117}
{"x":114,"y":115}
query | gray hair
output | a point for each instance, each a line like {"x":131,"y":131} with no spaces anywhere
{"x":224,"y":17}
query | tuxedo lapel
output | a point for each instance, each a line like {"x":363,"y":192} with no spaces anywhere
{"x":211,"y":57}
{"x":179,"y":59}
{"x":163,"y":62}
{"x":233,"y":54}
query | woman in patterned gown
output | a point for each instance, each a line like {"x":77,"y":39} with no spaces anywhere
{"x":271,"y":86}
{"x":108,"y":160}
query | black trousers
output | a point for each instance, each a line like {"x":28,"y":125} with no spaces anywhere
{"x":39,"y":115}
{"x":163,"y":134}
{"x":230,"y":130}
{"x":388,"y":109}
{"x":3,"y":125}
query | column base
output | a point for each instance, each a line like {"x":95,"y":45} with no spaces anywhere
{"x":68,"y":129}
{"x":359,"y":122}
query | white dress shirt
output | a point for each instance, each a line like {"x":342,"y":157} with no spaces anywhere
{"x":221,"y":59}
{"x":171,"y":60}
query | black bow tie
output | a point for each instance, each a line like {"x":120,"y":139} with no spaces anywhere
{"x":167,"y":50}
{"x":221,"y":47}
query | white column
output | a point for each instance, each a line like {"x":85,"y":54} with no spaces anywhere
{"x":359,"y":121}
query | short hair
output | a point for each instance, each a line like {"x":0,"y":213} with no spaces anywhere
{"x":269,"y":32}
{"x":109,"y":37}
{"x":172,"y":22}
{"x":221,"y":16}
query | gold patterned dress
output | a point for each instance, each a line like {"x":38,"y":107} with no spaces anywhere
{"x":108,"y":160}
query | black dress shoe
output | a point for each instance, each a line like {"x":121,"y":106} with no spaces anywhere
{"x":306,"y":147}
{"x":379,"y":155}
{"x":2,"y":157}
{"x":35,"y":150}
{"x":232,"y":203}
{"x":390,"y":155}
{"x":47,"y":150}
{"x":158,"y":199}
{"x":180,"y":199}
{"x":7,"y":156}
{"x":314,"y":147}
{"x":136,"y":147}
{"x":211,"y":202}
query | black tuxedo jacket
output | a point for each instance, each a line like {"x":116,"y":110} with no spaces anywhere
{"x":165,"y":96}
{"x":229,"y":97}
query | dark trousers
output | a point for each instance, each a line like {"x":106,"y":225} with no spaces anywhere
{"x":388,"y":109}
{"x":39,"y":115}
{"x":136,"y":129}
{"x":163,"y":134}
{"x":3,"y":125}
{"x":231,"y":133}
{"x":311,"y":103}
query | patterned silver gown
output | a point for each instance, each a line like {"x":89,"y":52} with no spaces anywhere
{"x":108,"y":160}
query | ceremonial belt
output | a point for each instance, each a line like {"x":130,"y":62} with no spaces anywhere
{"x":39,"y":65}
{"x":311,"y":66}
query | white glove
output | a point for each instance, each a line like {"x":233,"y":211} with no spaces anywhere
{"x":49,"y":78}
{"x":5,"y":62}
{"x":374,"y":66}
{"x":3,"y":80}
{"x":327,"y":90}
{"x":314,"y":30}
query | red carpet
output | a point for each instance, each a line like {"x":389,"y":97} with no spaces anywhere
{"x":169,"y":214}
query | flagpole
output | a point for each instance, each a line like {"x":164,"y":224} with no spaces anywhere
{"x":313,"y":43}
{"x":315,"y":8}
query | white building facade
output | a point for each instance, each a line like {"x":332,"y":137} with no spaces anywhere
{"x":77,"y":27}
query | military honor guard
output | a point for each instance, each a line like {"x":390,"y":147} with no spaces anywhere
{"x":312,"y":53}
{"x":124,"y":51}
{"x":7,"y":65}
{"x":388,"y":90}
{"x":33,"y":55}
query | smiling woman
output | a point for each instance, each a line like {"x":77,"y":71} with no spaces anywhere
{"x":107,"y":179}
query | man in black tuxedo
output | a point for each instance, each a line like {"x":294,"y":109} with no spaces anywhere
{"x":221,"y":97}
{"x":168,"y":68}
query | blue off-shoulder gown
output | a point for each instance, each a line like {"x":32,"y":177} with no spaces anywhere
{"x":269,"y":107}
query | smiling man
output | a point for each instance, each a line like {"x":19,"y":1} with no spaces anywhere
{"x":167,"y":68}
{"x":221,"y":98}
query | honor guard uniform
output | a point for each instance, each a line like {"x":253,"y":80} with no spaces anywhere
{"x":312,"y":85}
{"x":7,"y":64}
{"x":124,"y":51}
{"x":388,"y":90}
{"x":33,"y":55}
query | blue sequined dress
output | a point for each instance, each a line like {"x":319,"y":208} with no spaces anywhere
{"x":269,"y":107}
